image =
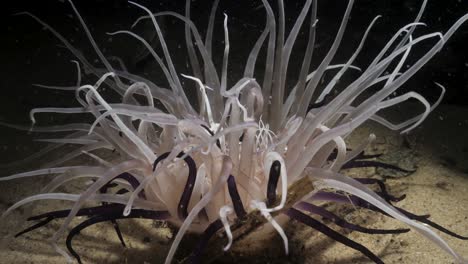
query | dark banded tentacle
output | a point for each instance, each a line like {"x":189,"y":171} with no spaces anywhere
{"x":340,"y":198}
{"x":182,"y":208}
{"x":90,"y":211}
{"x":127,"y":177}
{"x":428,"y":222}
{"x":218,"y":144}
{"x":362,"y":155}
{"x":372,"y":163}
{"x":354,"y":200}
{"x":326,"y":99}
{"x":159,"y":159}
{"x":383,"y":189}
{"x":135,"y":213}
{"x":197,"y":252}
{"x":114,"y":222}
{"x":133,"y":182}
{"x":235,"y":198}
{"x":35,"y":226}
{"x":273,"y":178}
{"x":311,"y":208}
{"x":322,"y":228}
{"x":118,"y":232}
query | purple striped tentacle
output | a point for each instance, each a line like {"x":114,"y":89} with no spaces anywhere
{"x":383,"y":189}
{"x":125,"y":176}
{"x":311,"y":208}
{"x":182,"y":208}
{"x":363,"y":155}
{"x":159,"y":159}
{"x":197,"y":252}
{"x":120,"y":191}
{"x":189,"y":185}
{"x":426,"y":221}
{"x":372,"y":163}
{"x":351,"y":199}
{"x":132,"y":181}
{"x":235,"y":198}
{"x":89,"y":211}
{"x":218,"y":144}
{"x":275,"y":171}
{"x":322,"y":228}
{"x":326,"y":99}
{"x":135,"y":213}
{"x":35,"y":226}
{"x":359,"y":157}
{"x":118,"y":232}
{"x":49,"y":216}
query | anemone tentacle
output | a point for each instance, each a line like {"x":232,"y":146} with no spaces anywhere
{"x":209,"y":164}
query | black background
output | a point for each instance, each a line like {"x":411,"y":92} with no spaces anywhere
{"x":29,"y":54}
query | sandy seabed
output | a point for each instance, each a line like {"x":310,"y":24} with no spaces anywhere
{"x":438,"y":150}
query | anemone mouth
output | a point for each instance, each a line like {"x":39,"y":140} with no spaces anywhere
{"x":232,"y":160}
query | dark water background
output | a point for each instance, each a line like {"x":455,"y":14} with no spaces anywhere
{"x":29,"y":54}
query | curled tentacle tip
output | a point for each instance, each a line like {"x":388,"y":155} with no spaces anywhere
{"x":127,"y":211}
{"x":227,"y":247}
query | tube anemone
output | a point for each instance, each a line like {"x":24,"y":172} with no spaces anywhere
{"x":208,"y":164}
